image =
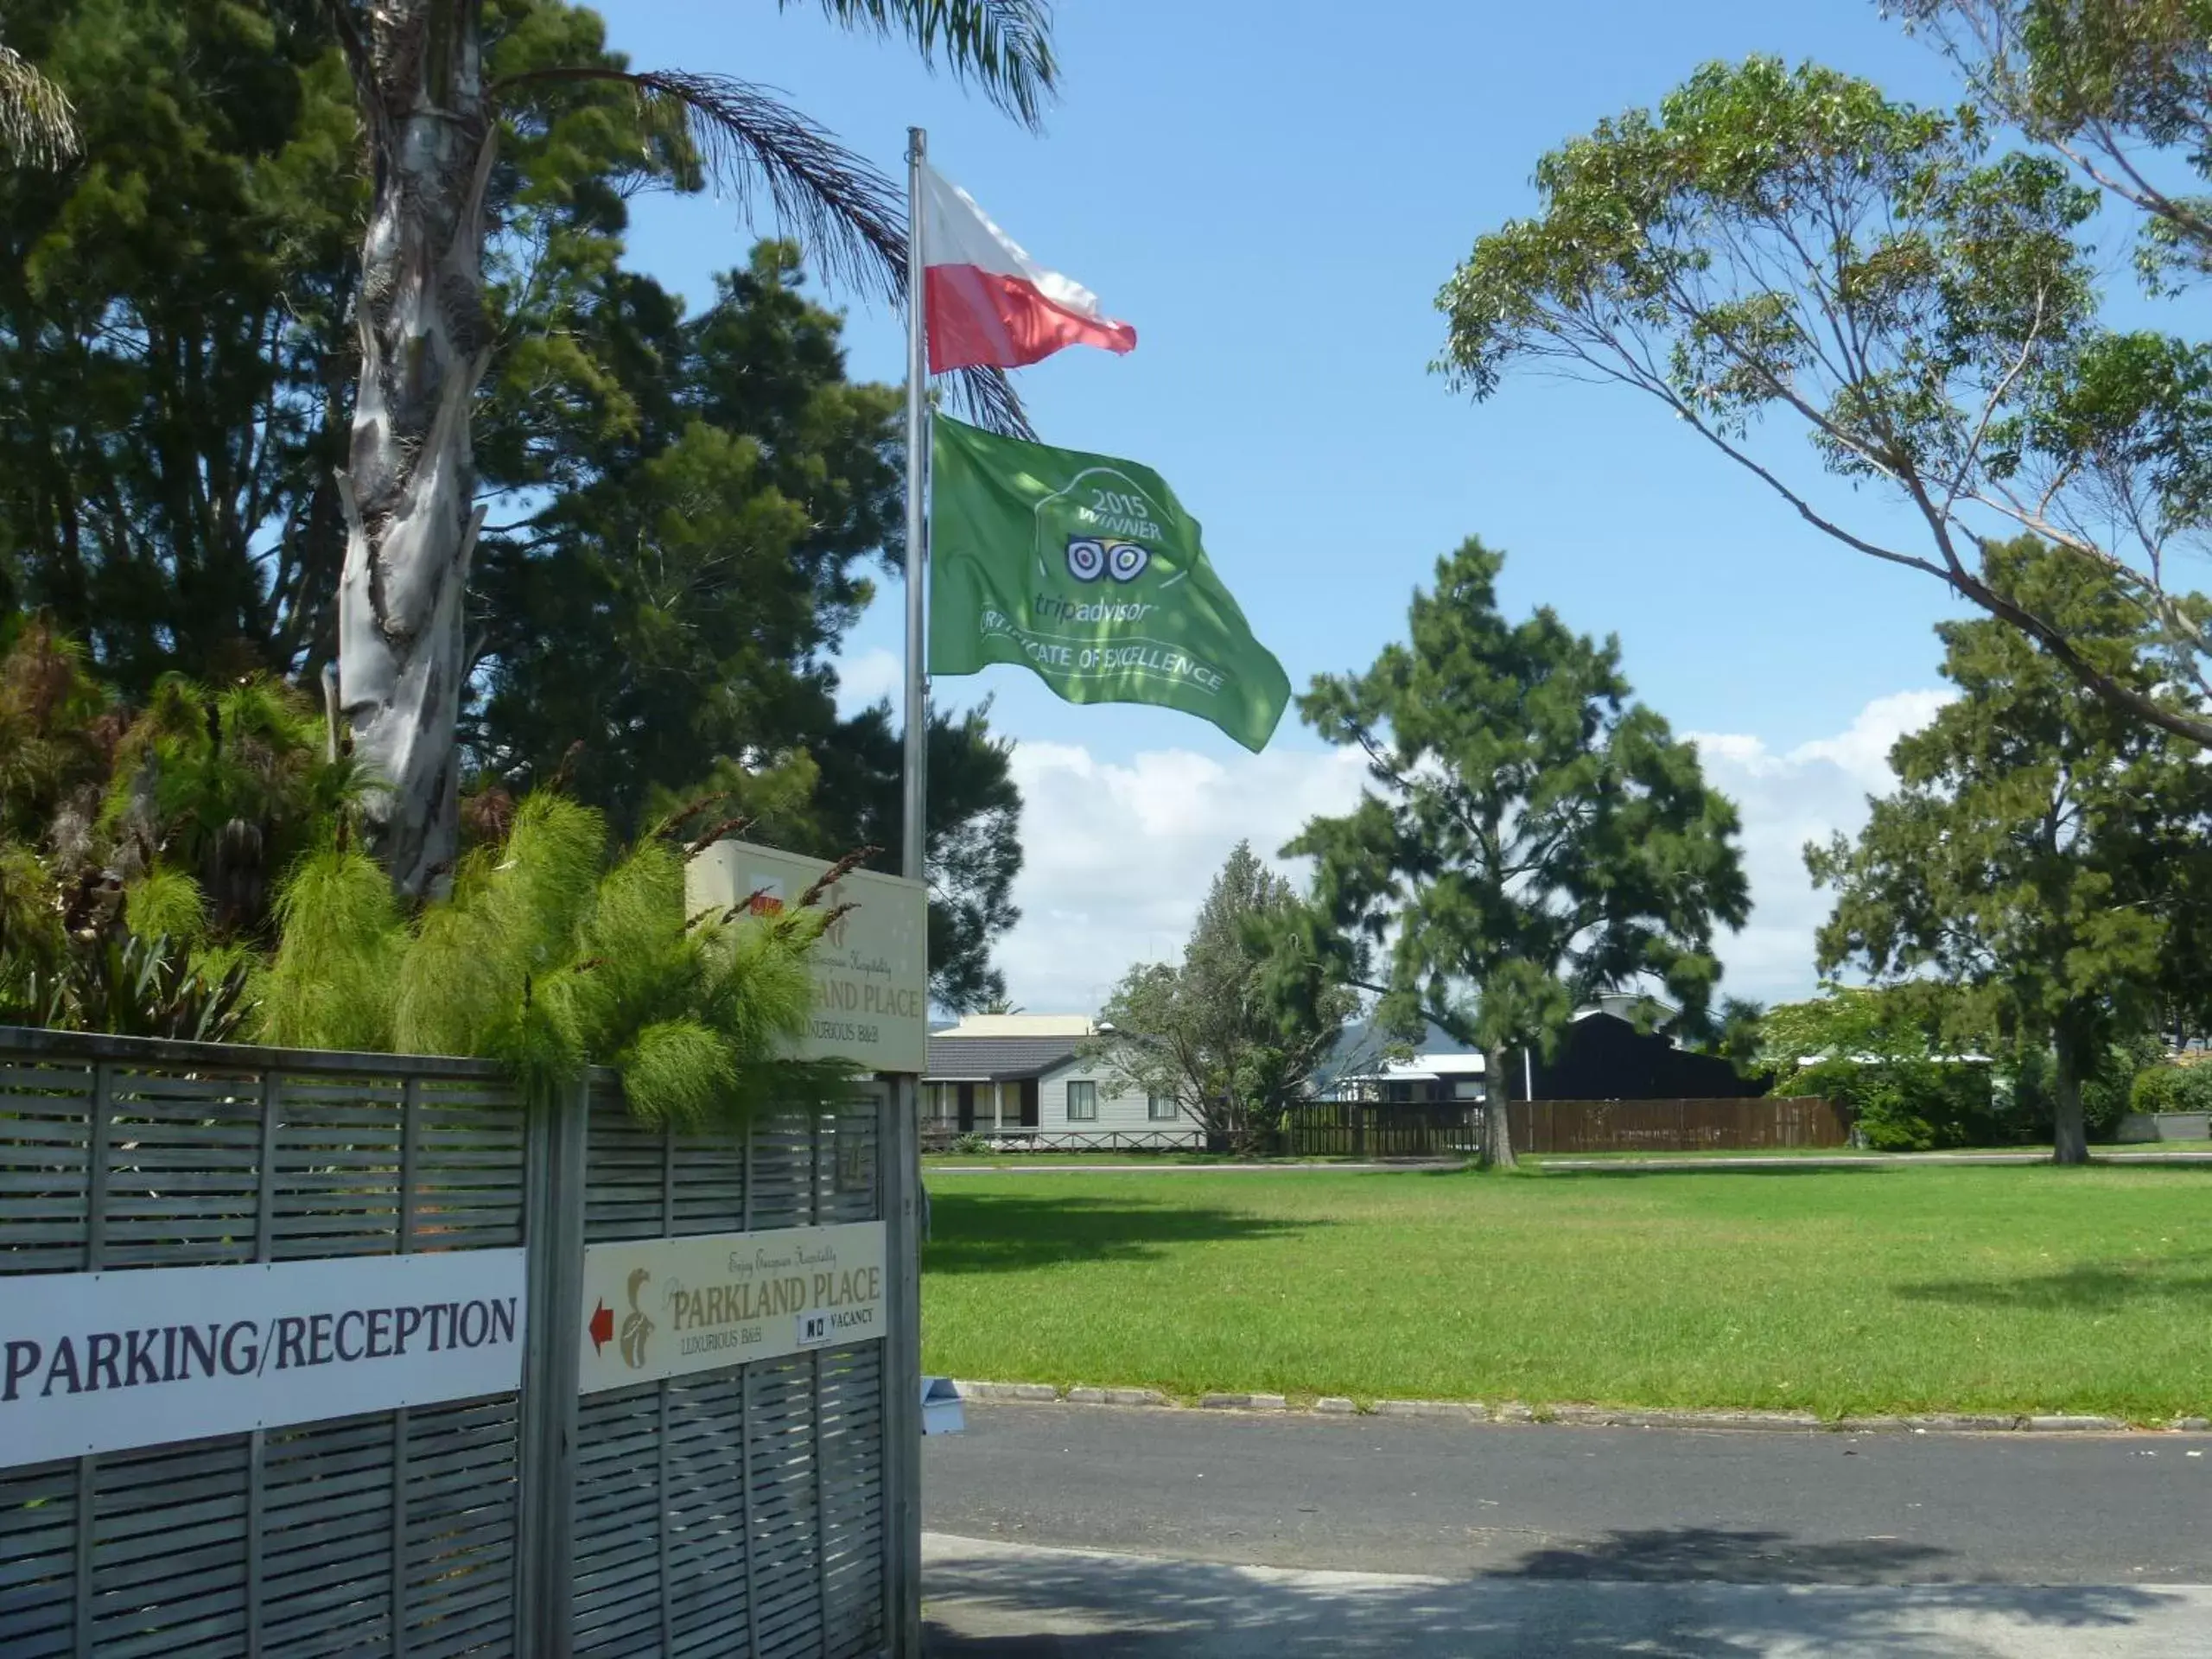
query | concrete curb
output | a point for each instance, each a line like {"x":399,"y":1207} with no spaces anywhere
{"x":1577,"y":1415}
{"x":1117,"y":1397}
{"x":1461,"y":1411}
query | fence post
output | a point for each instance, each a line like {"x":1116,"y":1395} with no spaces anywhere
{"x":553,"y":1241}
{"x":900,"y":1173}
{"x":531,"y":1522}
{"x":264,"y":1224}
{"x":98,"y":1132}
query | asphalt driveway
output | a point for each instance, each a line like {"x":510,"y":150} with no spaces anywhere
{"x":1095,"y":1532}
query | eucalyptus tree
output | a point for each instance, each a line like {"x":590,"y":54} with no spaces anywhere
{"x":433,"y":118}
{"x":1773,"y":251}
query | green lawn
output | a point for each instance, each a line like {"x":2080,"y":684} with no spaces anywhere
{"x":2097,"y":1149}
{"x":936,"y":1160}
{"x":1885,"y":1288}
{"x":1045,"y":1160}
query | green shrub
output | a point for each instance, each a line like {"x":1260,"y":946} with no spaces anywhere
{"x":1907,"y":1105}
{"x":2170,"y":1088}
{"x":2155,"y":1089}
{"x":548,"y":963}
{"x":139,"y":851}
{"x":2107,"y":1093}
{"x":2195,"y":1094}
{"x":1878,"y":1049}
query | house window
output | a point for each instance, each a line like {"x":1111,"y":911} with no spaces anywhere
{"x":1082,"y":1103}
{"x":1161,"y":1108}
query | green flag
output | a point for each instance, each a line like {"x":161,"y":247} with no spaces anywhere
{"x":1086,"y":569}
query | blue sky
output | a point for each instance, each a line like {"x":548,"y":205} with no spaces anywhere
{"x":1272,"y":194}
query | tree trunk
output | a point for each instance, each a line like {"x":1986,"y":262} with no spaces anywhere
{"x":1497,"y":1127}
{"x":2070,"y":1138}
{"x":410,"y":484}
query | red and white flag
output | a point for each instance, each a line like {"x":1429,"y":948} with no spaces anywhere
{"x":986,"y":302}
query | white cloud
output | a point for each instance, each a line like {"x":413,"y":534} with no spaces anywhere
{"x":1117,"y":857}
{"x":1790,"y":798}
{"x":868,"y":679}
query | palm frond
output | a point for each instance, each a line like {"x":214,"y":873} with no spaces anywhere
{"x":1004,"y":47}
{"x":748,"y":139}
{"x":749,"y":143}
{"x":37,"y":125}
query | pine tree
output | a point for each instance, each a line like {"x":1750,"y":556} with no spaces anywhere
{"x":1531,"y":836}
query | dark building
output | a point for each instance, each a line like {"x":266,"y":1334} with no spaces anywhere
{"x":1603,"y":1057}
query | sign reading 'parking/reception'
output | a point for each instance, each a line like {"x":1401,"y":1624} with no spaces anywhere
{"x":657,"y":1307}
{"x":101,"y":1362}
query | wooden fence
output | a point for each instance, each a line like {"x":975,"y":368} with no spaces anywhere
{"x":942,"y":1137}
{"x":1354,"y":1128}
{"x":1751,"y":1125}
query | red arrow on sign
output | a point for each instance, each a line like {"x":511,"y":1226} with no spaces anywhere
{"x":602,"y":1328}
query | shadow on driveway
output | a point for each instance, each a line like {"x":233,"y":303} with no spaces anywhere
{"x":1691,"y":1593}
{"x":1672,"y":1554}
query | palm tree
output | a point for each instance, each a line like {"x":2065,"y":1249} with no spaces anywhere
{"x":37,"y":126}
{"x":432,"y":123}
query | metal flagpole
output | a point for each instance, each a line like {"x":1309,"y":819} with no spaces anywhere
{"x":917,"y":449}
{"x":899,"y":1151}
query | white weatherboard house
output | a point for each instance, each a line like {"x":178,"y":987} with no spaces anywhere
{"x":1018,"y":1077}
{"x":1424,"y":1080}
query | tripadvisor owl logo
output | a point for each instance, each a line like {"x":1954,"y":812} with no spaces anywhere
{"x":1101,"y":525}
{"x":1090,"y":557}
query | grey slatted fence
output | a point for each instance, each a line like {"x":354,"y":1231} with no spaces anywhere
{"x":737,"y":1512}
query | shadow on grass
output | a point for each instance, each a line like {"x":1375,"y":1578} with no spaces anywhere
{"x":998,"y":1232}
{"x":1663,"y":1172}
{"x":1677,"y":1591}
{"x":2087,"y":1286}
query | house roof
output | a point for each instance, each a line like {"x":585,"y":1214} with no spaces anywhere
{"x":1623,"y":1005}
{"x":1020,"y":1025}
{"x":1424,"y":1068}
{"x":995,"y":1059}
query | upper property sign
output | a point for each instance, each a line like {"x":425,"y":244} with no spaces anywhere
{"x":871,"y":969}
